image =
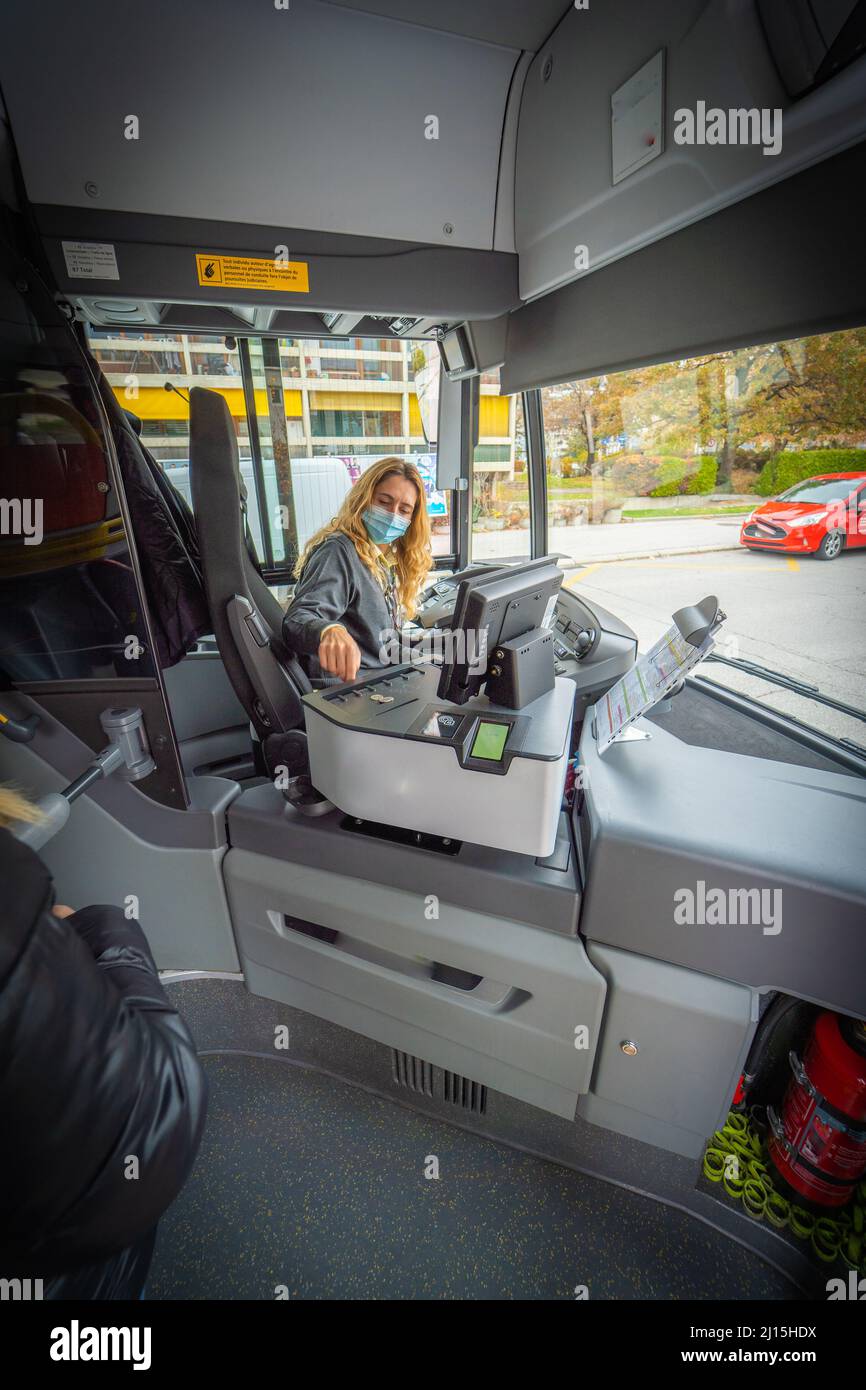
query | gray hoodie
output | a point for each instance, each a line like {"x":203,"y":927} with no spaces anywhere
{"x":337,"y":587}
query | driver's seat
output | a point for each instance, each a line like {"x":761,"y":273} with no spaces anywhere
{"x":247,"y":618}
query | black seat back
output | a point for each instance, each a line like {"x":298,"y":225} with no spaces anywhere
{"x":247,"y":618}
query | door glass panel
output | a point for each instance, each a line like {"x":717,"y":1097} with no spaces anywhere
{"x":500,"y":478}
{"x":69,"y":601}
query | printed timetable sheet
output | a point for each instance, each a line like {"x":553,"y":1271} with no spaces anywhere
{"x":648,"y":681}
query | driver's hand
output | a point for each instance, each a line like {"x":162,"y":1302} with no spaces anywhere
{"x":60,"y":910}
{"x":339,"y":654}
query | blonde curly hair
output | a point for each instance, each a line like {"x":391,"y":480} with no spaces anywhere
{"x":413,"y":550}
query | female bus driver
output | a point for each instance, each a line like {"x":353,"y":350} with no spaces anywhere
{"x":359,"y":577}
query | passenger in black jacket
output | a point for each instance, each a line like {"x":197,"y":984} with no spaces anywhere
{"x":102,"y":1096}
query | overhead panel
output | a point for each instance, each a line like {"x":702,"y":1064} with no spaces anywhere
{"x":158,"y":260}
{"x":516,"y":22}
{"x":586,"y":195}
{"x":312,"y":115}
{"x":745,"y":275}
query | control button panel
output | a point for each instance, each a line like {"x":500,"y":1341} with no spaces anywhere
{"x":573,"y":639}
{"x":378,"y":696}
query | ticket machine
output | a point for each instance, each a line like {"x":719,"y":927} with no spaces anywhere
{"x":474,"y":750}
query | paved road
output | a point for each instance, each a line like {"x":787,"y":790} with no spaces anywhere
{"x":801,"y":617}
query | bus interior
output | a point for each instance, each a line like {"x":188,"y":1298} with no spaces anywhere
{"x":470,"y":1028}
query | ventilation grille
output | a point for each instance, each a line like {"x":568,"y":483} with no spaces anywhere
{"x":469,"y":1095}
{"x":417,"y":1075}
{"x":765,"y":528}
{"x":412,"y":1073}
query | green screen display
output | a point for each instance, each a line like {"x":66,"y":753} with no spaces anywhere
{"x":490,"y":741}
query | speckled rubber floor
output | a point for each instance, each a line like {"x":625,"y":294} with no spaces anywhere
{"x":310,"y":1188}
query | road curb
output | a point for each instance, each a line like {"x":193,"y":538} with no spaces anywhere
{"x":648,"y":555}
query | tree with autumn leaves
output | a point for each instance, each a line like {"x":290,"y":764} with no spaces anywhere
{"x":807,"y":392}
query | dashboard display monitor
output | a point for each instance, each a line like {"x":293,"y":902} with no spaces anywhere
{"x":495,"y":606}
{"x":455,"y":352}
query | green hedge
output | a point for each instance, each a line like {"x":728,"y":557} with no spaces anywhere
{"x":793,"y":466}
{"x":703,"y":479}
{"x":671,"y":475}
{"x":634,"y":475}
{"x":661,"y":475}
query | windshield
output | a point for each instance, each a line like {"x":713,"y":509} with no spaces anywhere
{"x":822,"y":490}
{"x":656,"y":478}
{"x":310,"y":414}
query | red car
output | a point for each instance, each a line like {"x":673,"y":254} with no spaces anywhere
{"x":821,"y":517}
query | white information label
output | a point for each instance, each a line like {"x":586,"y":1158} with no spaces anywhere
{"x":90,"y":260}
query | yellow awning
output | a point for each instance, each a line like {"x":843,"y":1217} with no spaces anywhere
{"x":493,"y":417}
{"x":354,"y":400}
{"x":155,"y":403}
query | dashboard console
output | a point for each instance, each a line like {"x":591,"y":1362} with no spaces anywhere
{"x":592,"y":647}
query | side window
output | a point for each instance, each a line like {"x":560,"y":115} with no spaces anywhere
{"x":501,"y":515}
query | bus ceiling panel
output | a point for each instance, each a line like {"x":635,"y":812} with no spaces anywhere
{"x":313,"y":114}
{"x":519,"y":23}
{"x":785,"y":263}
{"x":723,"y":126}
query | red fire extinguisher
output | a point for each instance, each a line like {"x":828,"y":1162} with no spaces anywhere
{"x":819,"y":1142}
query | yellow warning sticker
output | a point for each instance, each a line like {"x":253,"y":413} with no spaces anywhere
{"x":253,"y":273}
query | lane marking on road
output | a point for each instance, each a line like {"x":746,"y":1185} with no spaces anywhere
{"x":584,"y":572}
{"x":679,"y":565}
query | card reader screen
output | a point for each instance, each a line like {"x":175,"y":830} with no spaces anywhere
{"x":489,"y":741}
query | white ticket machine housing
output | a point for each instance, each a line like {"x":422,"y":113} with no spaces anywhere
{"x":385,"y":749}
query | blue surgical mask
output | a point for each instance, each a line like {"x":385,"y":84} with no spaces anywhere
{"x":384,"y":527}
